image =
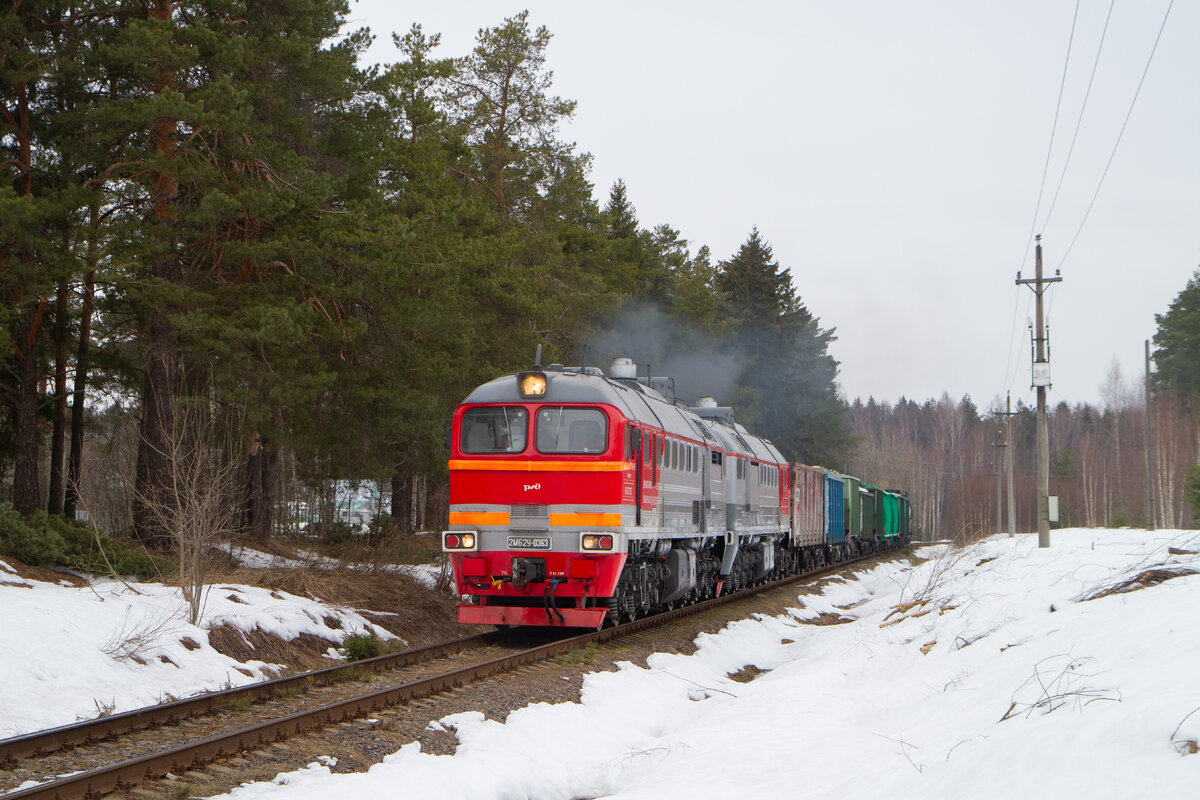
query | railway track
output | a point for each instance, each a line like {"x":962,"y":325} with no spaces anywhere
{"x":419,"y":673}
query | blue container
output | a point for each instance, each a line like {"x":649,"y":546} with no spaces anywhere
{"x":835,"y":508}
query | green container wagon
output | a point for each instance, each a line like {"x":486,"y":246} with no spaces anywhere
{"x":853,"y":511}
{"x":891,"y":516}
{"x":870,"y":509}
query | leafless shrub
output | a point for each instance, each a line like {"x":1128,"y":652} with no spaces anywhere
{"x":1149,"y":577}
{"x":1056,"y":682}
{"x":135,"y":636}
{"x":1183,"y":745}
{"x":445,"y":576}
{"x":196,"y":509}
{"x":922,"y":586}
{"x":906,"y":749}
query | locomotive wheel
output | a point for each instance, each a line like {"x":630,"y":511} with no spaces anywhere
{"x":630,"y":607}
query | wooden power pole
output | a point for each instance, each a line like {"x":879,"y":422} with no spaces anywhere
{"x":1041,"y":380}
{"x":1149,"y":448}
{"x":998,"y":462}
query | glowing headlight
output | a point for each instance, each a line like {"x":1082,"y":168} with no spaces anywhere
{"x":458,"y":540}
{"x":532,"y":384}
{"x":597,"y":541}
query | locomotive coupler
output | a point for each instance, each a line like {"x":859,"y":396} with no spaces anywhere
{"x":528,"y":570}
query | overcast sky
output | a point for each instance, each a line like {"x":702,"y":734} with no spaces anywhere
{"x":891,"y":153}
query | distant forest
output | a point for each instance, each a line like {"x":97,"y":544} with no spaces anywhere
{"x":243,"y":272}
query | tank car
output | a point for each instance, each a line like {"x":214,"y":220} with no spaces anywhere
{"x":579,"y":498}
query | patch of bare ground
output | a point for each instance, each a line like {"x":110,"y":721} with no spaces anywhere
{"x":826,"y":618}
{"x":305,"y":652}
{"x":43,"y":574}
{"x":1142,"y":580}
{"x":395,"y":602}
{"x":746,"y":674}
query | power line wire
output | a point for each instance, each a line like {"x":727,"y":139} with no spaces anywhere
{"x":1117,"y":144}
{"x":1079,"y":122}
{"x":1054,"y":127}
{"x":1010,"y":374}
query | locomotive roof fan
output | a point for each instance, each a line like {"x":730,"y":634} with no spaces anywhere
{"x":532,"y":384}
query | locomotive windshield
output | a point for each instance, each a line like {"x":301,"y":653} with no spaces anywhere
{"x":571,"y":430}
{"x":494,"y":429}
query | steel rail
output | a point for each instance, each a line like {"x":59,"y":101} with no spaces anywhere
{"x":41,"y":743}
{"x":98,"y":782}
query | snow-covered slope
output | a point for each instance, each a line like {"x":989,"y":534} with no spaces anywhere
{"x":70,"y":653}
{"x":994,"y":670}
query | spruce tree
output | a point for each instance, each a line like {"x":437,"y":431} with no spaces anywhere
{"x":788,"y":388}
{"x":1177,"y":348}
{"x":234,"y":223}
{"x":42,"y":80}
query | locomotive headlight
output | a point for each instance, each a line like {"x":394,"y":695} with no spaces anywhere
{"x":596,"y":541}
{"x":458,"y":540}
{"x":532,"y":384}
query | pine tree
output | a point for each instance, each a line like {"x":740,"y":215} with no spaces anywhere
{"x":1177,"y":353}
{"x":502,"y":99}
{"x":42,"y":76}
{"x":233,"y":224}
{"x":788,"y":387}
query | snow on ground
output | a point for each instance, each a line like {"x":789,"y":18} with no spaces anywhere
{"x":425,"y":574}
{"x":69,"y":653}
{"x":982,"y":672}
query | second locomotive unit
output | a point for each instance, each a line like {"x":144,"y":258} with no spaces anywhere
{"x":579,"y":499}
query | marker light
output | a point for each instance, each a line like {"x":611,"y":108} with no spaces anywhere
{"x":597,"y":541}
{"x":532,"y":384}
{"x":456,"y":540}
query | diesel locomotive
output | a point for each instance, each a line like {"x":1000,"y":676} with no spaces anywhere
{"x":579,"y":499}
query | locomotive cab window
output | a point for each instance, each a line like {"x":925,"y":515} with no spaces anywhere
{"x":494,"y":429}
{"x":571,"y":430}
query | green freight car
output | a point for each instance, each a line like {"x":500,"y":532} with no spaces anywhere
{"x":853,"y":513}
{"x":890,"y":525}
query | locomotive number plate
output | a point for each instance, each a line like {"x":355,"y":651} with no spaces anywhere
{"x":529,"y":543}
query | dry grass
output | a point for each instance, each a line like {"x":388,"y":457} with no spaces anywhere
{"x":746,"y":674}
{"x":305,"y":652}
{"x":825,"y":618}
{"x":43,"y":574}
{"x":1150,"y":577}
{"x":395,"y":602}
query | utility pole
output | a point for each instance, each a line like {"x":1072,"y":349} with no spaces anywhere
{"x":998,"y":463}
{"x":1041,"y":380}
{"x":1009,"y":457}
{"x":1149,"y":448}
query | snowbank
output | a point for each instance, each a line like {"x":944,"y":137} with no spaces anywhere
{"x":982,"y":672}
{"x":69,"y":653}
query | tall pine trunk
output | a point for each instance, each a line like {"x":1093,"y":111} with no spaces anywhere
{"x":54,"y":504}
{"x":26,"y":483}
{"x":261,"y":486}
{"x":152,"y":478}
{"x":253,"y":506}
{"x":82,"y":355}
{"x":402,"y":499}
{"x":26,"y":492}
{"x":152,"y":487}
